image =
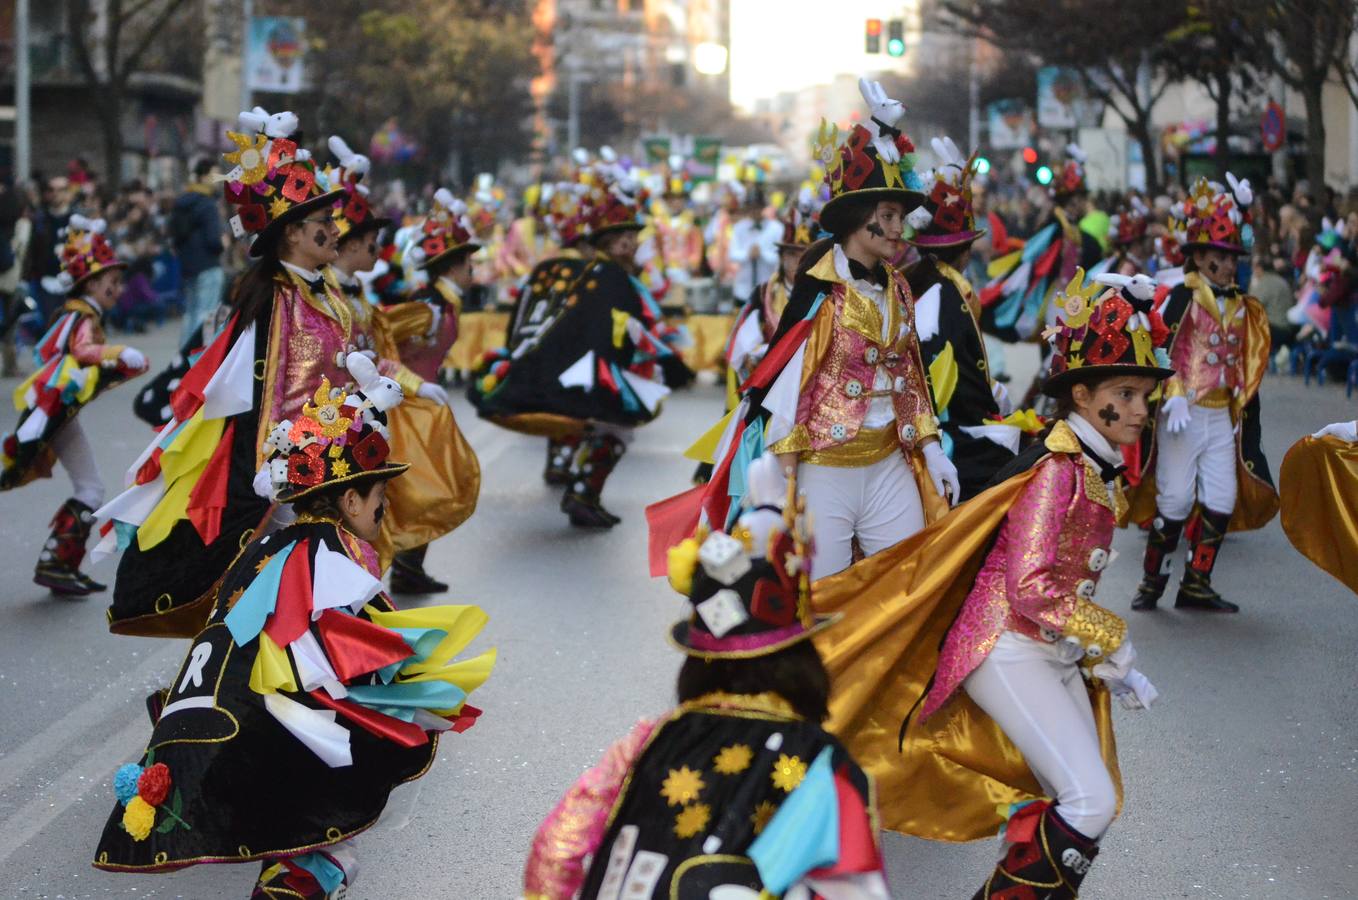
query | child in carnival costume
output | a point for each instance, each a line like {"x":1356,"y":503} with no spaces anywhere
{"x":842,"y":393}
{"x":444,"y":493}
{"x":192,"y":503}
{"x":738,"y":790}
{"x":75,"y":363}
{"x":308,"y":696}
{"x":600,"y":366}
{"x":976,"y":668}
{"x":1203,"y":444}
{"x":972,"y":407}
{"x":1132,"y":248}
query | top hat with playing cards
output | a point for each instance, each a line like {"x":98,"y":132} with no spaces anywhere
{"x":750,"y":587}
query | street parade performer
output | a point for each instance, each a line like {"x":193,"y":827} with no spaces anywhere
{"x":842,"y":393}
{"x":192,"y":504}
{"x":75,"y":364}
{"x":1318,"y":486}
{"x":599,"y":367}
{"x":972,"y":407}
{"x":997,"y":600}
{"x":308,"y":696}
{"x":738,"y":790}
{"x":1203,"y":444}
{"x":445,"y":480}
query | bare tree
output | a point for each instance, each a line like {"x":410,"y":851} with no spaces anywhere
{"x":110,"y":41}
{"x":1113,"y":44}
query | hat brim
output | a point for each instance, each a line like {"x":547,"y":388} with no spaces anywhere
{"x":679,"y":637}
{"x":1214,"y":245}
{"x":593,"y":236}
{"x":269,"y":233}
{"x":102,"y":269}
{"x":792,"y":245}
{"x":943,"y":241}
{"x":1057,"y":385}
{"x":452,"y":255}
{"x":364,"y":227}
{"x":832,"y":210}
{"x":383,"y":472}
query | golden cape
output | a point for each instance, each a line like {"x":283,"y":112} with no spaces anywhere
{"x":956,"y":773}
{"x":1319,"y":481}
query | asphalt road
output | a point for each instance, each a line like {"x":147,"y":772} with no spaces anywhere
{"x":1241,"y":783}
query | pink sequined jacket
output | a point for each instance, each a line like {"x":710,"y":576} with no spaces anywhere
{"x":1040,"y":574}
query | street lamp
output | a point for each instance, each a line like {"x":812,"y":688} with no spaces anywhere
{"x":709,"y":58}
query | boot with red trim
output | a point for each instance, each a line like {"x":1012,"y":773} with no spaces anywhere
{"x":595,"y":460}
{"x":1046,"y":859}
{"x":1196,"y":591}
{"x":1161,"y":543}
{"x":58,"y":567}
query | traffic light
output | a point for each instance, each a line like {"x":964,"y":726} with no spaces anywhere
{"x":1029,"y":155}
{"x":981,"y":166}
{"x":895,"y":37}
{"x":1044,"y":175}
{"x":874,"y":36}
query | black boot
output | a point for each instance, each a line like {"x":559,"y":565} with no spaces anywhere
{"x":1195,"y":591}
{"x":559,"y":454}
{"x":408,"y":575}
{"x":1161,"y":543}
{"x":1049,"y":862}
{"x":595,"y":460}
{"x":58,"y":567}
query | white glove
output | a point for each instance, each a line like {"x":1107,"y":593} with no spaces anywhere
{"x":1176,"y":414}
{"x":1117,"y":664}
{"x":1001,"y":395}
{"x":942,"y":471}
{"x":432,"y":391}
{"x":1133,"y":692}
{"x":132,"y":358}
{"x":1346,"y":431}
{"x":263,"y":483}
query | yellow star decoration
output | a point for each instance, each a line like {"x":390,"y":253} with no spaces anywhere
{"x":733,"y":760}
{"x":681,"y":786}
{"x":339,"y":468}
{"x":325,"y":407}
{"x":788,"y":772}
{"x":251,"y":154}
{"x":277,"y":206}
{"x":692,"y":820}
{"x":762,"y":814}
{"x":259,"y":566}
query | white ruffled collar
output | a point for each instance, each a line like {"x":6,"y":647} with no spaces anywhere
{"x":1093,"y":440}
{"x":307,"y":275}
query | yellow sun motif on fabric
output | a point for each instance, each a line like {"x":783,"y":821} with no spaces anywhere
{"x":762,"y":814}
{"x":325,"y":408}
{"x":681,"y":786}
{"x":733,"y":760}
{"x":339,"y":468}
{"x":264,"y":561}
{"x":788,"y":772}
{"x":692,"y":820}
{"x":251,"y":154}
{"x":235,"y":595}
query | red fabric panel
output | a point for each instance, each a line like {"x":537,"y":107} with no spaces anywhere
{"x":188,"y":397}
{"x":357,"y":646}
{"x":292,"y":610}
{"x":671,"y":521}
{"x":207,"y":500}
{"x":407,"y":734}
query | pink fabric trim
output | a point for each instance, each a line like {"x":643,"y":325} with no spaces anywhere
{"x":742,"y":642}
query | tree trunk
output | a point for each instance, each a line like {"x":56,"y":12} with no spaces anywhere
{"x":1140,"y":129}
{"x":109,"y":112}
{"x":1315,"y":138}
{"x":1222,"y":156}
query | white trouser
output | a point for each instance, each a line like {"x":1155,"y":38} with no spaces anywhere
{"x":1197,"y":462}
{"x":77,"y":458}
{"x":1035,"y":693}
{"x":879,"y":503}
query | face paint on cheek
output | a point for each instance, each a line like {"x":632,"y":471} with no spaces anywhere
{"x":875,"y":230}
{"x":1109,"y":414}
{"x":321,"y":238}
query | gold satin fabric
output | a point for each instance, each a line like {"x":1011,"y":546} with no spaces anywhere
{"x":710,"y":333}
{"x":1319,"y":481}
{"x":957,"y":772}
{"x":477,"y":333}
{"x":439,"y":490}
{"x":401,"y":322}
{"x":1256,"y":501}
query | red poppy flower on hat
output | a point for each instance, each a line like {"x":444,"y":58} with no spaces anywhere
{"x":371,"y":452}
{"x":253,"y":217}
{"x":103,"y":253}
{"x":154,"y":784}
{"x":76,"y":266}
{"x":305,"y":469}
{"x":433,"y":246}
{"x":356,"y":210}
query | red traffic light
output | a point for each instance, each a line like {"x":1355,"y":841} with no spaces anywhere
{"x":874,"y":27}
{"x":1029,"y":155}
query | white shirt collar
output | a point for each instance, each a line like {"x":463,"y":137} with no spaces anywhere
{"x":450,"y":285}
{"x":304,"y":274}
{"x":1095,"y":441}
{"x":867,"y":288}
{"x":343,"y":278}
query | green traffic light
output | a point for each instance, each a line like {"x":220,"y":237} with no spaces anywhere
{"x":1044,"y":175}
{"x":895,"y":47}
{"x":982,"y":165}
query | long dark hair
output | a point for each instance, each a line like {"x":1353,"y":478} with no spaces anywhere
{"x":796,"y":674}
{"x":852,"y":214}
{"x":252,"y":294}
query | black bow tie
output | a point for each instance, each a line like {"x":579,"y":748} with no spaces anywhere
{"x":1107,"y":472}
{"x":886,"y":130}
{"x":353,"y":290}
{"x":861,"y":272}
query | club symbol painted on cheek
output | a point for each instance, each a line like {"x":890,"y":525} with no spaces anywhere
{"x":321,"y":238}
{"x":1109,"y":415}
